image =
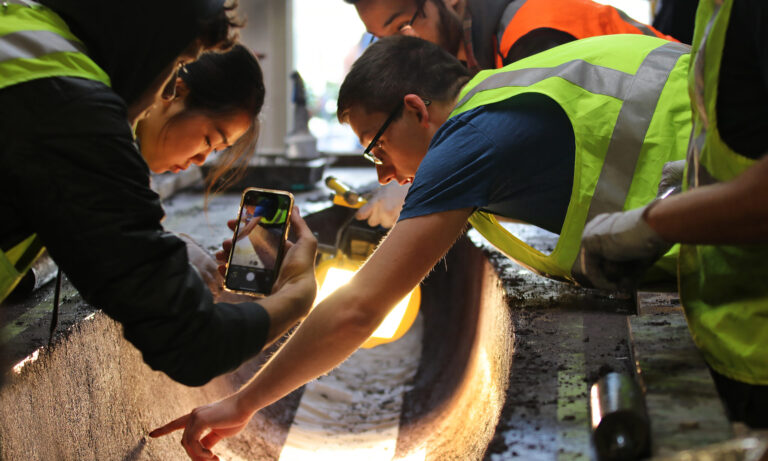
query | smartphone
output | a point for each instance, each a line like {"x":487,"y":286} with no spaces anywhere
{"x":259,"y":241}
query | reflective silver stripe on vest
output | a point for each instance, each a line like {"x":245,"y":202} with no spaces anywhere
{"x":698,"y":175}
{"x":19,"y":2}
{"x":32,"y":44}
{"x":628,"y":134}
{"x":506,"y":17}
{"x":699,"y":66}
{"x":595,"y":79}
{"x":631,"y":127}
{"x":643,"y":28}
{"x":640,"y":93}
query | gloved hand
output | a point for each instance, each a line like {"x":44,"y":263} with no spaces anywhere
{"x":671,"y":178}
{"x":206,"y":266}
{"x":617,"y":249}
{"x":383,"y":207}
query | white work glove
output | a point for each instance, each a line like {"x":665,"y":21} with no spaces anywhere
{"x":383,"y":207}
{"x":206,"y":266}
{"x":617,"y":249}
{"x":671,"y":178}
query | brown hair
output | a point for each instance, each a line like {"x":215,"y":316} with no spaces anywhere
{"x":398,"y":65}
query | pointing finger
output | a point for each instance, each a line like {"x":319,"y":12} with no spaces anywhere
{"x":173,"y":426}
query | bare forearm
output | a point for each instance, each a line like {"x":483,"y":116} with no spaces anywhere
{"x":285,"y":309}
{"x":344,"y":320}
{"x":320,"y":344}
{"x":733,"y":212}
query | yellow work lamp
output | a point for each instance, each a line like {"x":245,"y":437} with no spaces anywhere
{"x":355,"y":244}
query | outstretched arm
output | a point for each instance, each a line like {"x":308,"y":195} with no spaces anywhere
{"x":334,"y":329}
{"x":733,"y":212}
{"x":616,"y":245}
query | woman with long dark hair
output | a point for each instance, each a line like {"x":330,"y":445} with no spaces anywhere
{"x":80,"y":73}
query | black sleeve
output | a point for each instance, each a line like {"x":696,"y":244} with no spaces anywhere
{"x":677,"y":18}
{"x":536,"y":41}
{"x":742,"y":100}
{"x":81,"y":184}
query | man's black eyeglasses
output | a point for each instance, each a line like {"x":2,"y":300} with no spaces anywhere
{"x":375,"y":141}
{"x":367,"y":153}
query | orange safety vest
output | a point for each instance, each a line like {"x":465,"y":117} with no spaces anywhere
{"x":580,"y":18}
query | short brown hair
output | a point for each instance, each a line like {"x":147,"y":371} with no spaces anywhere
{"x":395,"y":66}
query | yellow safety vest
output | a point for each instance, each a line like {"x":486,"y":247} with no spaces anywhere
{"x":35,"y":43}
{"x":723,"y":288}
{"x":626,"y":100}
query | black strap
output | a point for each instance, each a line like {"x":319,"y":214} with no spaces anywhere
{"x":55,"y":316}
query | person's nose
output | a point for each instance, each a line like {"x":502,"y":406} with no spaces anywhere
{"x":199,"y":159}
{"x":386,"y":173}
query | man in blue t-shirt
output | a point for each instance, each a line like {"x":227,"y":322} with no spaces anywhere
{"x":484,"y":159}
{"x":514,"y":159}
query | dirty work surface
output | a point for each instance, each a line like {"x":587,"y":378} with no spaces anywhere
{"x":680,"y":395}
{"x":91,"y":396}
{"x":354,"y":411}
{"x":566,"y":338}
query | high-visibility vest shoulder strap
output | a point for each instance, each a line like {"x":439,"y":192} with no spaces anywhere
{"x":579,"y":18}
{"x":618,"y":92}
{"x":722,"y":287}
{"x":36,"y":43}
{"x":15,"y":262}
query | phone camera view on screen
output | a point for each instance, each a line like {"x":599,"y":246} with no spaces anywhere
{"x":257,"y":245}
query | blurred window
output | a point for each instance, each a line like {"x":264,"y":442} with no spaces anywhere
{"x":639,"y":10}
{"x":327,"y":38}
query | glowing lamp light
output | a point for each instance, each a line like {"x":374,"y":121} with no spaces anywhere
{"x":337,"y":272}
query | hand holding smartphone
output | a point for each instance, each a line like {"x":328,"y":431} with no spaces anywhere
{"x":258,"y":244}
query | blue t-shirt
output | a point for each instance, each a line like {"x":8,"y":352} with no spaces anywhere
{"x":513,"y":158}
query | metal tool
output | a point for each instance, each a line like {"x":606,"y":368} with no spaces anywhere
{"x":620,"y":424}
{"x":354,"y":242}
{"x":343,"y":194}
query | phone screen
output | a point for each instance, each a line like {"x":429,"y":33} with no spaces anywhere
{"x":257,"y":246}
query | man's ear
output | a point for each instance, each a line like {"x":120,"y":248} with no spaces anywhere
{"x":415,"y":104}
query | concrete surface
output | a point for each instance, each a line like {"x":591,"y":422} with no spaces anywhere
{"x":507,"y":358}
{"x":90,"y":396}
{"x":567,"y":337}
{"x":679,"y":392}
